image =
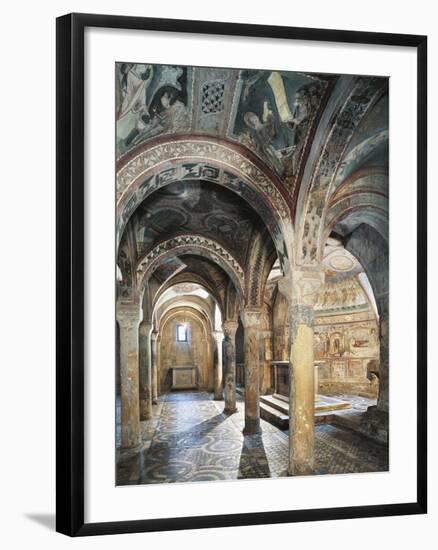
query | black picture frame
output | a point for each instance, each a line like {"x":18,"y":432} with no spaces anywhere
{"x":70,"y":273}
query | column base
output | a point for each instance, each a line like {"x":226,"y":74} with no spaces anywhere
{"x":300,"y":470}
{"x":131,"y":443}
{"x":375,"y":424}
{"x":154,"y":401}
{"x":230,"y":411}
{"x":145,"y":410}
{"x":252,"y":427}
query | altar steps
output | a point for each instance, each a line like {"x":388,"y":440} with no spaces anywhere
{"x":275,"y":410}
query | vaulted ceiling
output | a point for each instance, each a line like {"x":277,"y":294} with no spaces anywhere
{"x":320,"y":140}
{"x":196,"y":207}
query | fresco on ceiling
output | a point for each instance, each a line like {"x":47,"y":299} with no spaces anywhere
{"x":269,"y":112}
{"x":244,"y":181}
{"x":194,"y":207}
{"x":274,"y":115}
{"x":150,"y":100}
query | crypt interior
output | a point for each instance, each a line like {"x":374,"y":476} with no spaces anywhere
{"x":252,"y":274}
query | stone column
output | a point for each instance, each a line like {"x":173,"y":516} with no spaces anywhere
{"x":230,"y":328}
{"x":265,"y":346}
{"x":251,"y":319}
{"x":218,"y":337}
{"x":154,"y":339}
{"x":383,"y":399}
{"x":300,"y":289}
{"x":316,"y":380}
{"x":129,"y":319}
{"x":376,"y":420}
{"x":145,"y":370}
{"x":202,"y":378}
{"x":275,"y":379}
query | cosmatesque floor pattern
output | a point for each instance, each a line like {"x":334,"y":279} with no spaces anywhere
{"x":190,"y":439}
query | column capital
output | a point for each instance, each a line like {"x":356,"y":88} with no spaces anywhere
{"x":154,"y":335}
{"x":128,"y":316}
{"x":300,"y":287}
{"x":230,"y":328}
{"x":251,"y":317}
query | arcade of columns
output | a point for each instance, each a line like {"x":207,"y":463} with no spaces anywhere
{"x":297,"y":226}
{"x":138,"y":360}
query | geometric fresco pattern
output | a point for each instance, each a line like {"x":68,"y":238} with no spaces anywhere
{"x":213,"y":97}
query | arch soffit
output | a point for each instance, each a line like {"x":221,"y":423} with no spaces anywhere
{"x":188,"y":278}
{"x":232,"y":303}
{"x":363,"y":92}
{"x":194,"y":302}
{"x":365,"y":191}
{"x":218,"y":162}
{"x":260,"y":267}
{"x":373,"y":179}
{"x":369,"y":213}
{"x":359,"y":201}
{"x":190,"y":312}
{"x":191,"y":244}
{"x":357,"y":155}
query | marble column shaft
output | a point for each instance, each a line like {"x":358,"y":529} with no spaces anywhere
{"x":145,"y":370}
{"x":265,"y":340}
{"x":230,"y":328}
{"x":251,"y":322}
{"x":301,"y":391}
{"x":154,"y":357}
{"x":383,"y":398}
{"x":300,"y":289}
{"x":129,"y":321}
{"x":218,"y":337}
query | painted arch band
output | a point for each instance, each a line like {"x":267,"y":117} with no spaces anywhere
{"x":252,"y":210}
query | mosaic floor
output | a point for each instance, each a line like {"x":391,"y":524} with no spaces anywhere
{"x":190,"y":439}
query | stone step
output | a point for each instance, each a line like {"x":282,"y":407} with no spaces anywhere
{"x":275,"y":409}
{"x":352,"y":419}
{"x":322,"y":403}
{"x":328,"y":403}
{"x":281,"y":397}
{"x":274,"y":402}
{"x":273,"y":416}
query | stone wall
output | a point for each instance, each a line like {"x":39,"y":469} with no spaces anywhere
{"x":346,"y":339}
{"x":371,"y":248}
{"x":196,"y":351}
{"x":347,"y":353}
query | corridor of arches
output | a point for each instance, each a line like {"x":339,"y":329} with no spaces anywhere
{"x":252,"y":275}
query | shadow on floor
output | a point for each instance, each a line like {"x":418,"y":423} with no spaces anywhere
{"x":131,"y":463}
{"x":205,"y":426}
{"x":253,"y":460}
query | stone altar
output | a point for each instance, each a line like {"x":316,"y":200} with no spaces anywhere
{"x":184,"y":377}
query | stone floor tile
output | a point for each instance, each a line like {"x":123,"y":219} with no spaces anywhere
{"x":190,"y":439}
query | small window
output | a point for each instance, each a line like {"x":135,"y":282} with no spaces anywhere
{"x":181,"y":333}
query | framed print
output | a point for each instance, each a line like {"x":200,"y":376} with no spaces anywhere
{"x":241,"y":274}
